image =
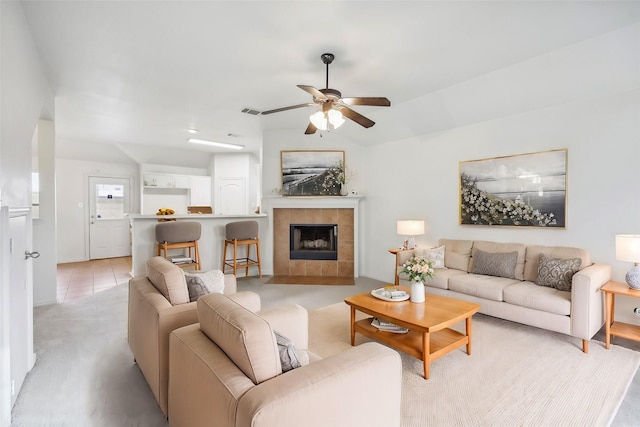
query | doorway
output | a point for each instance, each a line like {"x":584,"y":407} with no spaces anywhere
{"x":109,"y":201}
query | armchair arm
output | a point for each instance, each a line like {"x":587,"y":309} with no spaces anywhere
{"x":230,"y":284}
{"x":587,"y":304}
{"x":247,"y":299}
{"x":360,"y":386}
{"x":292,"y":321}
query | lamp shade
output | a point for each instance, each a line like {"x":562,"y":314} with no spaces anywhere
{"x":628,"y":247}
{"x":410,"y":227}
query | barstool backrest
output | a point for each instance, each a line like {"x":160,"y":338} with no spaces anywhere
{"x":178,"y":231}
{"x":241,"y":230}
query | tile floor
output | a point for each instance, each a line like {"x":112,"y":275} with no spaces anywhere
{"x":80,"y":279}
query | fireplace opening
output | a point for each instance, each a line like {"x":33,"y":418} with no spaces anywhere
{"x":313,"y":241}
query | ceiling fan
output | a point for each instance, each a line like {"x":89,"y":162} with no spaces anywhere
{"x":332,"y":106}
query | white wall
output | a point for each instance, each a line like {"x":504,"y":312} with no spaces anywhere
{"x":73,"y":202}
{"x":585,"y":98}
{"x":25,"y":99}
{"x":44,"y":228}
{"x":599,"y":125}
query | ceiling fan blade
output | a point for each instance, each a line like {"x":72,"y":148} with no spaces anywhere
{"x":357,"y":117}
{"x":311,"y":129}
{"x":375,"y":101}
{"x":277,"y":110}
{"x":313,"y":91}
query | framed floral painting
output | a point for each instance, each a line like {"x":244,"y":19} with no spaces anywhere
{"x":525,"y":190}
{"x":312,"y":173}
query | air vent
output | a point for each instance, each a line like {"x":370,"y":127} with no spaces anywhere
{"x":251,"y":111}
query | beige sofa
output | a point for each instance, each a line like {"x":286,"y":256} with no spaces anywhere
{"x":158,"y":304}
{"x":226,"y":371}
{"x":578,"y":312}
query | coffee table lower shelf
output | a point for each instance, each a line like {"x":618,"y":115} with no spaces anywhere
{"x":413,"y":342}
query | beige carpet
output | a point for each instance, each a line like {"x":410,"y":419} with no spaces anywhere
{"x":516,"y":375}
{"x":311,"y":280}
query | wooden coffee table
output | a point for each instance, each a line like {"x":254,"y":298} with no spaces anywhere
{"x":429,"y":336}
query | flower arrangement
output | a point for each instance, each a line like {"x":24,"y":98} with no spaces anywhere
{"x":479,"y":207}
{"x":418,"y":269}
{"x":336,"y":176}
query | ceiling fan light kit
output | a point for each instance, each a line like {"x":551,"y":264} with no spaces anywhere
{"x":215,"y":143}
{"x":331,"y":119}
{"x":333,"y":107}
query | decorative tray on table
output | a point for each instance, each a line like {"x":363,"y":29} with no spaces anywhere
{"x":390,"y":293}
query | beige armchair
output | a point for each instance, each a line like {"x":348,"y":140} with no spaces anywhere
{"x":158,"y":304}
{"x":226,"y":371}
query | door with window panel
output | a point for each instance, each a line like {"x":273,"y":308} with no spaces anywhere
{"x":109,"y":200}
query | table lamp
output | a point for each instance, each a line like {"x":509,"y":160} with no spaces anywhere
{"x":410,"y":228}
{"x":628,"y":249}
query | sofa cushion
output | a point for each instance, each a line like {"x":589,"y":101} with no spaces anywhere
{"x":497,"y":247}
{"x":441,"y":277}
{"x":487,"y":287}
{"x":435,"y":256}
{"x":557,"y":273}
{"x":204,"y":282}
{"x":457,"y":253}
{"x":288,"y":354}
{"x":495,"y":264}
{"x":245,"y":337}
{"x":534,"y":252}
{"x":168,"y":279}
{"x":527,"y":294}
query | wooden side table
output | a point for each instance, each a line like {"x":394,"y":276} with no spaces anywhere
{"x":396,"y":251}
{"x":613,"y":328}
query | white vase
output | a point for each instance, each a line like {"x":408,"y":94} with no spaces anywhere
{"x":417,"y":292}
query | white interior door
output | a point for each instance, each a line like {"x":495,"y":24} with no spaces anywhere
{"x":109,"y":200}
{"x":233,"y":200}
{"x":16,"y":338}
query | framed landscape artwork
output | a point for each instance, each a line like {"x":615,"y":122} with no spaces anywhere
{"x":525,"y":190}
{"x":312,"y":173}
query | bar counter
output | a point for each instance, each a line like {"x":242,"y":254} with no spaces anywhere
{"x":143,"y":240}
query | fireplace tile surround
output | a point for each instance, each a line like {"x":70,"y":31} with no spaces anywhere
{"x":283,"y":266}
{"x":343,"y":211}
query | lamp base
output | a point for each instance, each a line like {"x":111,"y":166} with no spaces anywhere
{"x":633,"y":277}
{"x":411,"y":242}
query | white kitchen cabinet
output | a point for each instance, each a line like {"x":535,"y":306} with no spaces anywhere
{"x":159,"y":180}
{"x":182,"y":181}
{"x":200,"y":190}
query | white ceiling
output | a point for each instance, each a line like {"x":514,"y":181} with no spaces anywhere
{"x":130,"y":77}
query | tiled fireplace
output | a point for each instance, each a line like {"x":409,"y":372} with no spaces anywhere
{"x":283,"y":265}
{"x":338,"y":215}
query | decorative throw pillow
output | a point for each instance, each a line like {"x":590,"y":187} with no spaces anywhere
{"x":204,"y":283}
{"x":288,"y":356}
{"x":435,"y":256}
{"x":557,"y":273}
{"x":501,"y":264}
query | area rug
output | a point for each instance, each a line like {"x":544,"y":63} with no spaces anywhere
{"x":516,"y":375}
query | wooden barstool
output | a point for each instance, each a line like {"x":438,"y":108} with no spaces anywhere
{"x":241,"y":233}
{"x":179,"y":235}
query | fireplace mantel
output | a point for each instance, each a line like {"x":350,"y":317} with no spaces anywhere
{"x":269,"y":203}
{"x":303,"y":202}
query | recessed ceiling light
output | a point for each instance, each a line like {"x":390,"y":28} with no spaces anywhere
{"x":192,"y":131}
{"x":215,"y":143}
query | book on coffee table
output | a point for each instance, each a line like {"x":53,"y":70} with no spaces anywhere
{"x":383,"y":325}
